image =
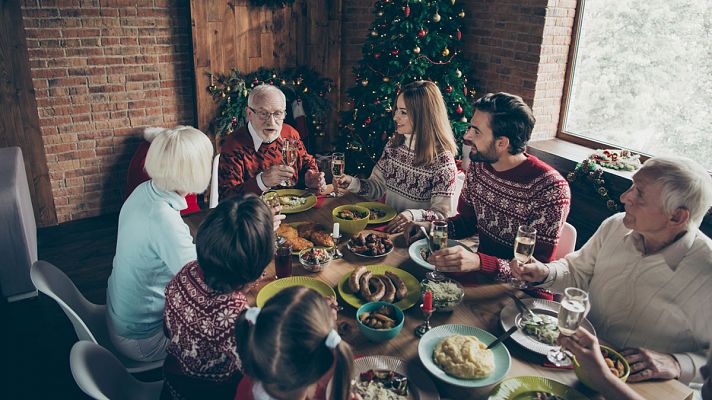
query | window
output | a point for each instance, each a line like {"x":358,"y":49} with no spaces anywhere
{"x":640,"y":77}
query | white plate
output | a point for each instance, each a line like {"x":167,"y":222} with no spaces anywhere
{"x":509,"y":316}
{"x":415,"y":247}
{"x":419,"y":384}
{"x":502,"y":359}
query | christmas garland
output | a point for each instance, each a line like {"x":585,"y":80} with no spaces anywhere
{"x":591,"y":169}
{"x":272,"y":3}
{"x":231,"y":92}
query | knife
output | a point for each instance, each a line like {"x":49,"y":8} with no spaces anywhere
{"x":504,"y":336}
{"x":524,"y":310}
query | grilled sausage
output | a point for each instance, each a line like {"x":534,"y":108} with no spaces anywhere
{"x":355,"y":279}
{"x":390,"y":294}
{"x":379,"y":289}
{"x":401,"y":289}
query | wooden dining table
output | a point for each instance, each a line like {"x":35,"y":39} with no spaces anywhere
{"x":480,"y":308}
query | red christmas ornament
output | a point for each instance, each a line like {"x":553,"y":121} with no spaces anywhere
{"x":377,"y":56}
{"x":465,"y":90}
{"x":234,"y":121}
{"x":421,"y":33}
{"x":407,"y":11}
{"x":458,"y":109}
{"x":458,"y":34}
{"x":368,"y":120}
{"x":448,"y":89}
{"x":394,"y":52}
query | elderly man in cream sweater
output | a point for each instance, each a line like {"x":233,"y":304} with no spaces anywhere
{"x":648,"y":272}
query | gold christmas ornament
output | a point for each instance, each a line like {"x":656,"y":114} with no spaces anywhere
{"x":461,"y":14}
{"x":436,"y":17}
{"x":445,"y":52}
{"x":453,"y":2}
{"x":374,"y":33}
{"x":364,"y":82}
{"x":386,"y":79}
{"x":380,"y":13}
{"x":458,"y":73}
{"x":416,"y":50}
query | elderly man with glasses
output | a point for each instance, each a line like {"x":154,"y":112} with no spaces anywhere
{"x":251,"y":158}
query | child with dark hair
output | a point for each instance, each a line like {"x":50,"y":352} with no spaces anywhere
{"x":290,"y":349}
{"x":234,"y":245}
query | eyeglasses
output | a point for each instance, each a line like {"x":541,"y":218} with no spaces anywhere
{"x":265,"y":116}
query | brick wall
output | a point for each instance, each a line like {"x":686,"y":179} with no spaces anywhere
{"x":355,"y":23}
{"x":102,"y":70}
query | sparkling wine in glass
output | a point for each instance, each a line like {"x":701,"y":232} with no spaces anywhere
{"x":523,"y":249}
{"x":289,"y":157}
{"x":338,"y":163}
{"x":438,"y":241}
{"x":571,"y":313}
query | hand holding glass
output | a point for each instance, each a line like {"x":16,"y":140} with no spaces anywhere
{"x":571,"y":313}
{"x":523,"y":250}
{"x":438,"y":241}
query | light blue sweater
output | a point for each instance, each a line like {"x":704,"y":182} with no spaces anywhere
{"x":153,"y":244}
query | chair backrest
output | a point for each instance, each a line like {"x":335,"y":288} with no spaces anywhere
{"x":102,"y":376}
{"x":567,"y":241}
{"x":459,"y":183}
{"x":214,"y":183}
{"x":51,"y":281}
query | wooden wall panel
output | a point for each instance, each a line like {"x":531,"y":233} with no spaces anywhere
{"x":20,"y":125}
{"x":233,"y":34}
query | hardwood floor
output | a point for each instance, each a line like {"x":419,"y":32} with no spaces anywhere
{"x":36,"y":336}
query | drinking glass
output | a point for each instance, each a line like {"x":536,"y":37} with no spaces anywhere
{"x":438,"y":241}
{"x":523,"y":250}
{"x":289,"y":158}
{"x":271,"y":198}
{"x":571,"y":312}
{"x":338,"y":163}
{"x":283,"y":261}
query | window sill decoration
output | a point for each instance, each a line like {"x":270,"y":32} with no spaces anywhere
{"x":591,"y":169}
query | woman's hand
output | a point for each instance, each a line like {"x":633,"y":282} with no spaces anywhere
{"x":399,"y":223}
{"x":412,"y":231}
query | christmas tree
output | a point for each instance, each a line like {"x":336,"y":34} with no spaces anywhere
{"x":409,"y":40}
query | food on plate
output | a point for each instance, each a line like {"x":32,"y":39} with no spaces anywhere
{"x":382,"y":385}
{"x":287,"y":231}
{"x":292,"y":201}
{"x":388,"y":287}
{"x":538,"y":396}
{"x":350,"y":215}
{"x":464,"y":357}
{"x":446,"y":294}
{"x":370,"y":244}
{"x":305,"y":229}
{"x":299,"y":244}
{"x":315,"y":256}
{"x":376,"y":213}
{"x":545,"y":331}
{"x":614,"y":364}
{"x":321,"y":238}
{"x":425,"y":253}
{"x":383,"y":318}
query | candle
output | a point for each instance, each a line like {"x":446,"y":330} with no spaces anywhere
{"x":428,"y":301}
{"x":335,"y":233}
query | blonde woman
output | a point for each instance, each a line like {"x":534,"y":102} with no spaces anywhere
{"x":416,"y":172}
{"x":153,"y":243}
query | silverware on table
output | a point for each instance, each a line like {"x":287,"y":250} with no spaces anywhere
{"x":502,"y":337}
{"x":526,"y":312}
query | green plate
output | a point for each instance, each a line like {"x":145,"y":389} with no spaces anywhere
{"x":310,"y":200}
{"x":275,"y":287}
{"x":390,"y":211}
{"x":525,"y":387}
{"x":426,"y":346}
{"x":410,"y":282}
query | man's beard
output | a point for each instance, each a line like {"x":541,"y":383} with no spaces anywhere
{"x":490,"y":157}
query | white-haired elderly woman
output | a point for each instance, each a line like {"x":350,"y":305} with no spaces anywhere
{"x":153,"y":242}
{"x":648,"y":272}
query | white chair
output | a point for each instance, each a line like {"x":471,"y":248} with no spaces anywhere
{"x":567,"y":241}
{"x":100,"y":375}
{"x":459,"y":183}
{"x":214,"y":183}
{"x":89,"y":319}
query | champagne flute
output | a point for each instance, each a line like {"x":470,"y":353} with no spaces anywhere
{"x":523,"y":250}
{"x":571,"y":312}
{"x":338,"y":163}
{"x":271,"y":198}
{"x":289,"y":158}
{"x":438,"y":241}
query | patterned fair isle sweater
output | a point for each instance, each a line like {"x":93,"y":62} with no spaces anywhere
{"x":240,"y":163}
{"x":202,"y":361}
{"x":493,"y":204}
{"x":426,"y":191}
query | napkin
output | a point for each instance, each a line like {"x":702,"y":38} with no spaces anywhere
{"x":320,"y":201}
{"x":379,"y":228}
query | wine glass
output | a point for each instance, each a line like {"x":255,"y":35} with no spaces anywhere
{"x":438,"y":241}
{"x":571,"y":312}
{"x":289,"y":158}
{"x":338,"y":161}
{"x":523,"y":250}
{"x":271,"y":198}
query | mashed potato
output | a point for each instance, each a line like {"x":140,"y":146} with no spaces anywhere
{"x":464,"y":357}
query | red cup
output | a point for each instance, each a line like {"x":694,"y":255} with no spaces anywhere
{"x":283,"y":262}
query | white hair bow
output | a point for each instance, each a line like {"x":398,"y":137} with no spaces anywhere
{"x":251,"y":314}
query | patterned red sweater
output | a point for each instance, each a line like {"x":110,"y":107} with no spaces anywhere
{"x":494,"y":204}
{"x":202,"y":360}
{"x":240,"y":163}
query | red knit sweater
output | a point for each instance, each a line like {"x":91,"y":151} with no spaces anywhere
{"x":240,"y":163}
{"x":494,"y":204}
